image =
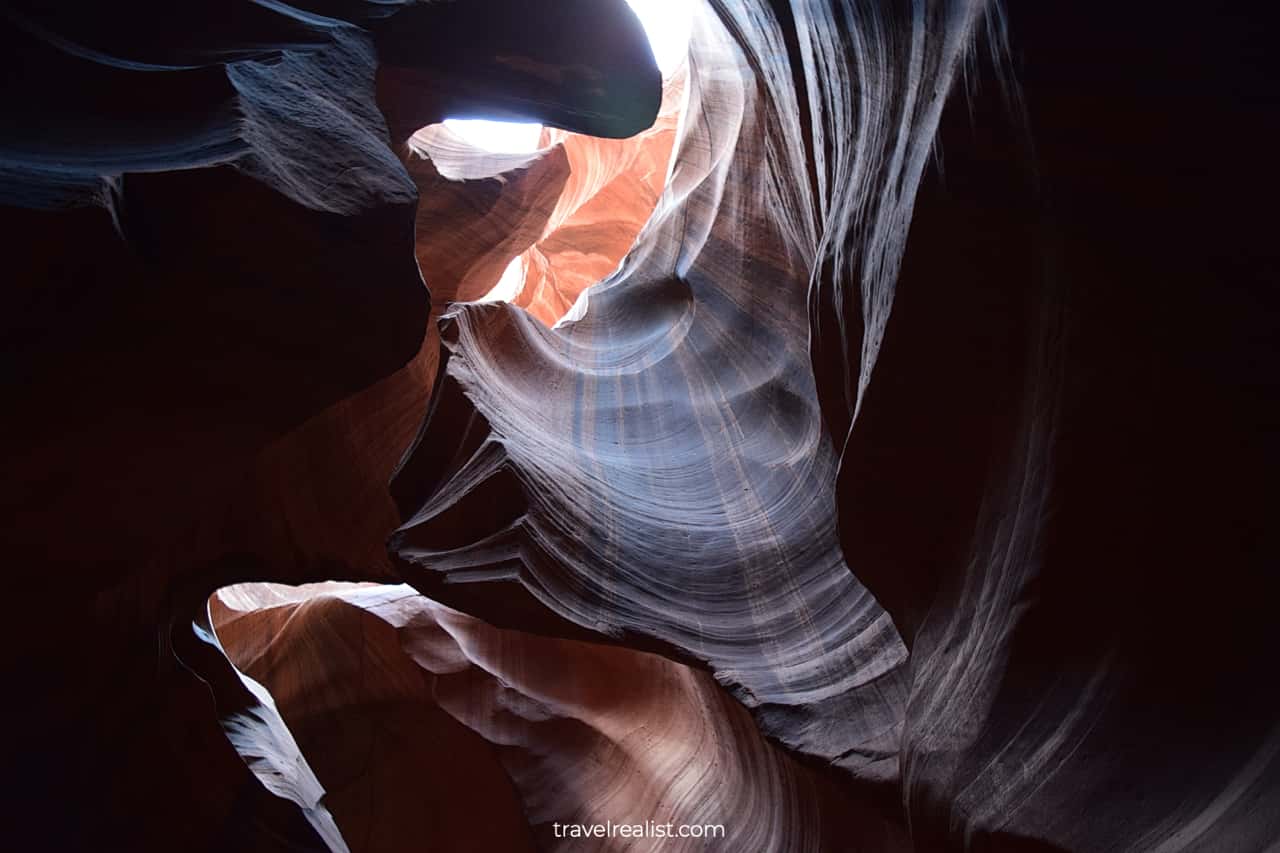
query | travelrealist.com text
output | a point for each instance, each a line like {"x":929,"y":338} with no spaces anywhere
{"x":648,"y":829}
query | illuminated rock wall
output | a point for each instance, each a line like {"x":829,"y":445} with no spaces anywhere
{"x":901,"y":477}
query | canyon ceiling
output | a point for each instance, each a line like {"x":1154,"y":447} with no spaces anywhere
{"x":878,"y":451}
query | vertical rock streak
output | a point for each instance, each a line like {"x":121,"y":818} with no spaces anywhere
{"x":657,"y":470}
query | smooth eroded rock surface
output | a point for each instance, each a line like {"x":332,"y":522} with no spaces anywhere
{"x":879,"y":453}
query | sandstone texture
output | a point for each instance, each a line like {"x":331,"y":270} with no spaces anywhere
{"x":877,"y":451}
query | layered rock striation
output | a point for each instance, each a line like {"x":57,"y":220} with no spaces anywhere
{"x":878,"y":455}
{"x":657,"y":472}
{"x":515,"y":737}
{"x":213,"y":332}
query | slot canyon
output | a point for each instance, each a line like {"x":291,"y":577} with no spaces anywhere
{"x":481,"y":425}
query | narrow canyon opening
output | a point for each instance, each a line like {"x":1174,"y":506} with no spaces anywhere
{"x":322,"y":735}
{"x":612,"y":187}
{"x":728,"y":447}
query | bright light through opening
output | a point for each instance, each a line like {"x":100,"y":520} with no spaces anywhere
{"x":501,"y":137}
{"x":508,"y":287}
{"x":665,"y":22}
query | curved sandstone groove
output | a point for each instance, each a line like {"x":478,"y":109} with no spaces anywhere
{"x":480,"y":210}
{"x":931,"y":415}
{"x":1058,"y":456}
{"x":213,"y":325}
{"x":254,"y":727}
{"x":399,"y":773}
{"x":614,"y":188}
{"x":569,"y":211}
{"x":383,"y":685}
{"x":656,"y":472}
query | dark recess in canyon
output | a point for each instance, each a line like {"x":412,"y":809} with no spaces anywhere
{"x":895,"y":470}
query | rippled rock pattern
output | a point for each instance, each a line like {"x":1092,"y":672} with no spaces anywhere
{"x":1056,"y":414}
{"x":569,"y":211}
{"x":379,"y":683}
{"x":656,"y":471}
{"x":213,"y":332}
{"x":907,"y":486}
{"x":612,"y":192}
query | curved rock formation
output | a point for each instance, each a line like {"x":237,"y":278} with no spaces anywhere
{"x":605,"y":480}
{"x":568,"y":212}
{"x":1058,"y":445}
{"x":907,"y":485}
{"x":656,"y":472}
{"x":383,"y":685}
{"x":613,"y":191}
{"x":207,"y":221}
{"x":359,"y":704}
